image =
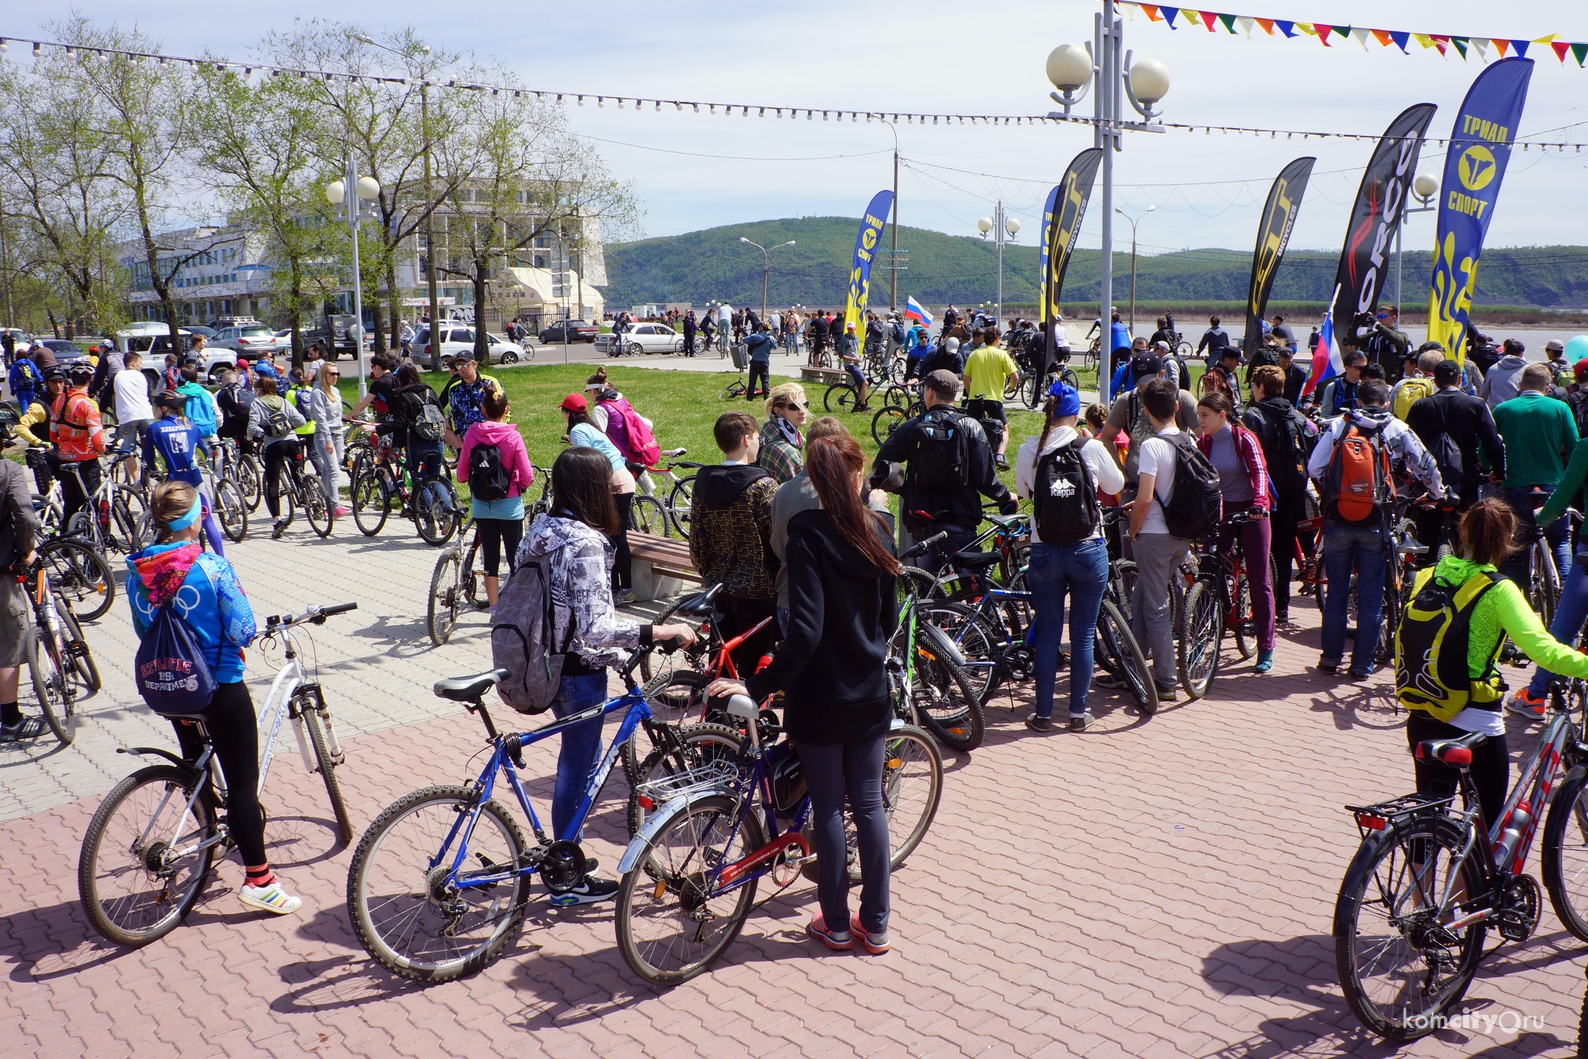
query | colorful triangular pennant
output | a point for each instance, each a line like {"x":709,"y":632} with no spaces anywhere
{"x":1211,"y":18}
{"x":1229,"y":22}
{"x":1245,"y":22}
{"x":1461,"y":45}
{"x":1287,"y":28}
{"x":1482,"y":44}
{"x":1400,"y":37}
{"x":1520,"y":47}
{"x":1168,"y":14}
{"x":1579,"y":51}
{"x":1500,"y":44}
{"x":1382,"y":36}
{"x":1268,"y":26}
{"x":1561,"y":48}
{"x":1323,"y":32}
{"x":1151,"y":11}
{"x":1360,"y":36}
{"x":1440,"y":41}
{"x":1343,"y":31}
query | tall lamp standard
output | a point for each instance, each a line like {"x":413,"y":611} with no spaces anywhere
{"x":1425,"y":186}
{"x":364,"y":190}
{"x":1143,"y":84}
{"x":1133,"y":222}
{"x":998,"y":224}
{"x":766,"y":265}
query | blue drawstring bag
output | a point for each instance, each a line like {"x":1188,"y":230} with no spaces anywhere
{"x":170,"y":669}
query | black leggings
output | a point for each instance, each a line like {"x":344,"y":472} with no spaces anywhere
{"x":1491,"y":764}
{"x":277,"y":455}
{"x":234,"y":729}
{"x":622,"y":562}
{"x":494,"y":532}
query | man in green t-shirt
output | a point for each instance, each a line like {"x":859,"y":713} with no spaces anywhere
{"x":987,"y":371}
{"x":1539,"y":434}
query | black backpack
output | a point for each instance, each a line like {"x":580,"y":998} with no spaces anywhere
{"x":939,"y":462}
{"x":488,"y":479}
{"x":1065,"y":496}
{"x":1195,"y":502}
{"x":1283,"y":448}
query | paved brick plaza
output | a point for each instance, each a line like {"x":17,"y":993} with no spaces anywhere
{"x":1150,"y":888}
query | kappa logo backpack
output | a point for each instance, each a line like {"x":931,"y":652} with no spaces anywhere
{"x":523,"y":638}
{"x":1065,"y":497}
{"x":1358,"y":485}
{"x":1431,"y":672}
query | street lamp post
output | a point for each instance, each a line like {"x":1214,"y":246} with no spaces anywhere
{"x":1425,"y":186}
{"x":364,"y":189}
{"x":1133,"y":222}
{"x":1072,"y":70}
{"x":998,"y":224}
{"x":766,"y":265}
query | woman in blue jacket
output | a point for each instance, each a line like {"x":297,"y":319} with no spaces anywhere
{"x":209,"y":600}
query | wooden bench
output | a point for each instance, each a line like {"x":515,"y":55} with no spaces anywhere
{"x":661,"y":566}
{"x":824,"y":376}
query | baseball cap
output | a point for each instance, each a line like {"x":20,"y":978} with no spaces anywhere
{"x":1447,"y":372}
{"x":1555,"y":345}
{"x":1143,"y":365}
{"x":943,"y":382}
{"x":1066,"y":397}
{"x":463,"y":355}
{"x":574,"y":402}
{"x":54,"y":373}
{"x":1161,"y":344}
{"x":951,"y":345}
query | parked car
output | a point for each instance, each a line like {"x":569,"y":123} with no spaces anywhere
{"x":578,"y":331}
{"x":646,"y":338}
{"x":458,"y":338}
{"x":197,"y":329}
{"x":247,"y":338}
{"x":65,"y":352}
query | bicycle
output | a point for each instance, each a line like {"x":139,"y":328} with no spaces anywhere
{"x":147,"y":853}
{"x":60,"y":665}
{"x":299,"y":487}
{"x":81,"y":575}
{"x":930,"y":670}
{"x":1427,"y":880}
{"x":109,"y":505}
{"x":690,"y":875}
{"x":735,"y":389}
{"x":231,"y":462}
{"x":432,"y":894}
{"x":899,"y":404}
{"x":379,"y":480}
{"x":681,"y":494}
{"x":1217,"y":603}
{"x":456,"y":581}
{"x":843,"y":396}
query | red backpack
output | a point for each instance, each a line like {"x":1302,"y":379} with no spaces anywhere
{"x":642,"y":443}
{"x":1358,"y":486}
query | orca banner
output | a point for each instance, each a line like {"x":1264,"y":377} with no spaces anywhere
{"x":1480,"y":147}
{"x":871,"y":225}
{"x":1273,"y":235}
{"x":1064,"y":227}
{"x":1380,"y":205}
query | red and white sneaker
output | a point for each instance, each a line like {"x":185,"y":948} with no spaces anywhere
{"x":876,"y":942}
{"x":837,"y":940}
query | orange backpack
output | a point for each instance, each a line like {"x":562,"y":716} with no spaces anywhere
{"x":1358,"y":485}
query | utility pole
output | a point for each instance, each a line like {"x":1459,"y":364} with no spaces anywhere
{"x":893,"y":259}
{"x":7,"y":274}
{"x":430,"y":231}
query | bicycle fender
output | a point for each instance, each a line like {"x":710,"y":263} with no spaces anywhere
{"x":940,"y":643}
{"x":659,"y":819}
{"x":140,"y":751}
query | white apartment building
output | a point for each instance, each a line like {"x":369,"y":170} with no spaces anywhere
{"x":227,"y":274}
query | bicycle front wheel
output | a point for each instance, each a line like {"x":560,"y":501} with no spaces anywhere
{"x":436,"y":512}
{"x":231,"y":509}
{"x":1243,"y":623}
{"x":321,"y":515}
{"x":441,"y":610}
{"x":371,"y":501}
{"x":672,"y":920}
{"x":1119,"y":653}
{"x":679,"y":502}
{"x":247,"y":474}
{"x":1399,"y":966}
{"x":408,"y":915}
{"x":888,"y":419}
{"x":1197,"y":642}
{"x":310,"y":704}
{"x":912,"y":787}
{"x":1565,"y":862}
{"x":143,"y":864}
{"x":81,"y":574}
{"x":646,"y":515}
{"x":55,"y":693}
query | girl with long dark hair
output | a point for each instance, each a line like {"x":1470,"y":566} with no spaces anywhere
{"x":843,"y":608}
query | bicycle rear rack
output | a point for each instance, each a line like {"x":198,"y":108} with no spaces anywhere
{"x":1381,"y":815}
{"x":711,"y":776}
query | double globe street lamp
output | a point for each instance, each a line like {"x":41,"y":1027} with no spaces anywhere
{"x":766,"y":265}
{"x":365,"y":190}
{"x":1143,"y":84}
{"x":998,"y":224}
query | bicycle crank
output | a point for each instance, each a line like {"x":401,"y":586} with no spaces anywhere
{"x":1519,"y":908}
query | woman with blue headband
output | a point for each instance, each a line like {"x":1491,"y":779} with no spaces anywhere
{"x":204,"y":589}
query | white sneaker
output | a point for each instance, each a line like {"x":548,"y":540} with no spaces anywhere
{"x":270,"y":898}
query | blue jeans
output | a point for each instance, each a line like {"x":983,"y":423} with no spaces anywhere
{"x":1079,"y":571}
{"x":1363,"y":549}
{"x":1570,"y":613}
{"x":581,"y":748}
{"x":1558,"y":533}
{"x":831,"y":773}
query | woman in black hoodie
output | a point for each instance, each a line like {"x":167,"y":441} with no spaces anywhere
{"x":843,"y":609}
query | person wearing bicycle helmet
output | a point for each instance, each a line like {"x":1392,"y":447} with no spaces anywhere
{"x":1466,"y":599}
{"x":210,"y":601}
{"x":174,"y":441}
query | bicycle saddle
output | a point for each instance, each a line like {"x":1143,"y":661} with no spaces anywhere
{"x":701,"y":605}
{"x":1456,"y":752}
{"x":975,"y":560}
{"x":1005,"y":521}
{"x":674,"y":452}
{"x":468,"y":689}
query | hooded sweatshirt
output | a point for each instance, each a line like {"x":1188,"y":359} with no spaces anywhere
{"x":208,"y":598}
{"x":515,"y":460}
{"x":580,"y":558}
{"x":1500,"y":383}
{"x":1501,"y":611}
{"x":730,"y":529}
{"x":200,"y":408}
{"x":831,"y":664}
{"x":1105,"y":472}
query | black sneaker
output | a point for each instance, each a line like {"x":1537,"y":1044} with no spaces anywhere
{"x":1111,"y":681}
{"x":590,"y":890}
{"x":1038,"y":723}
{"x":1081,"y":722}
{"x":277,"y":530}
{"x":1168,"y":692}
{"x":1328,"y":668}
{"x":1003,"y":464}
{"x":1282,"y":617}
{"x":26,"y":728}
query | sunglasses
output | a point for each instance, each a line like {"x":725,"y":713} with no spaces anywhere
{"x":792,"y":404}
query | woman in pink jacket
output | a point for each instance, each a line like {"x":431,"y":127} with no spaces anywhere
{"x":1237,"y":455}
{"x":498,"y":479}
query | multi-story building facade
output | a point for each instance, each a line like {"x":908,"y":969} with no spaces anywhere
{"x":224,"y":272}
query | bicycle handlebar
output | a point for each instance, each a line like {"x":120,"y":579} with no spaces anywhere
{"x":920,"y":547}
{"x":314,"y":613}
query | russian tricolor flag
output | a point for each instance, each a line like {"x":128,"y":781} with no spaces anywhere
{"x":913,"y":311}
{"x":1327,"y":359}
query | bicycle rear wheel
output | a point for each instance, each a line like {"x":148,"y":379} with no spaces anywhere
{"x":1119,"y":653}
{"x":371,"y":500}
{"x":57,"y":697}
{"x":134,"y":879}
{"x":81,"y":574}
{"x":978,"y":641}
{"x":406,"y":914}
{"x":943,"y":695}
{"x":309,"y":705}
{"x":646,"y":515}
{"x":246,"y":472}
{"x":888,"y":419}
{"x":231,"y":510}
{"x":441,"y":608}
{"x":473,"y":581}
{"x":1565,"y":860}
{"x":1242,"y":622}
{"x":702,"y":744}
{"x":1399,"y":968}
{"x":671,"y":922}
{"x":436,"y":512}
{"x":679,"y":502}
{"x":321,"y":515}
{"x":1197,"y":638}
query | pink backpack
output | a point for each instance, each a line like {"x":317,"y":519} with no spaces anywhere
{"x":642,"y":443}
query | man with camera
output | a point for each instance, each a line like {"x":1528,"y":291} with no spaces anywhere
{"x":1383,"y":342}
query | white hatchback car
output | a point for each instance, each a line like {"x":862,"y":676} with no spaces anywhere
{"x":646,"y":338}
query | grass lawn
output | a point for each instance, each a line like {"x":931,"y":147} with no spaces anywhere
{"x":684,"y":405}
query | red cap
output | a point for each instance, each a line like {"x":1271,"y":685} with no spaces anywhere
{"x":574,"y":402}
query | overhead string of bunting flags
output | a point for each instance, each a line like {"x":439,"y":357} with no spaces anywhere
{"x":1329,"y":34}
{"x":648,"y":105}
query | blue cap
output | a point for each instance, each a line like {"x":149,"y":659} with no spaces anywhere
{"x":1067,"y":397}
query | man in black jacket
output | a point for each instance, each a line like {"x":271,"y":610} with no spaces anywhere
{"x":1453,"y":426}
{"x":1214,"y":338}
{"x":1285,"y":435}
{"x":949,"y":469}
{"x":19,"y":531}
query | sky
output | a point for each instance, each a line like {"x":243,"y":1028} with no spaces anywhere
{"x":697,"y":171}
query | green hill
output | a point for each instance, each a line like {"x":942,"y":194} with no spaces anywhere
{"x":712,"y":265}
